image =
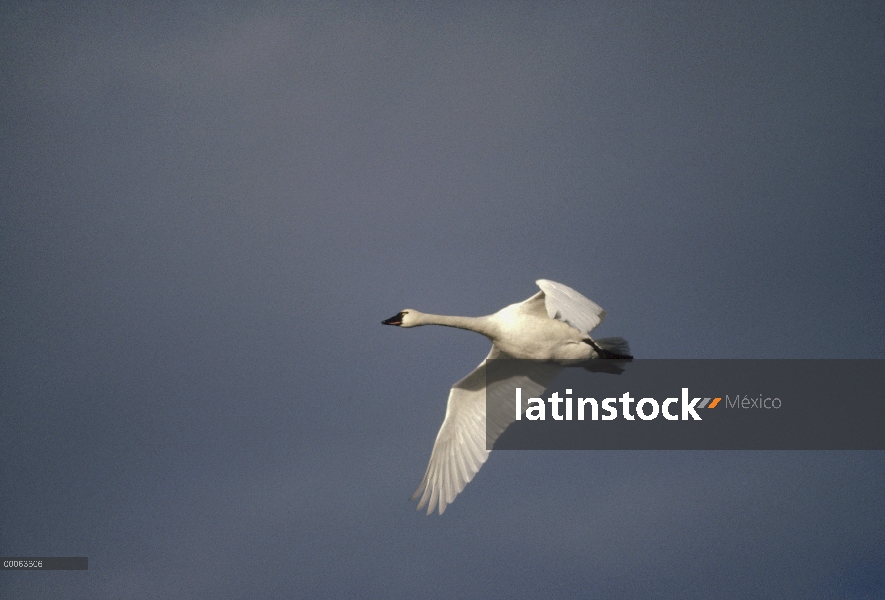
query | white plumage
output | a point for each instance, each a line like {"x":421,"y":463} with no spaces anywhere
{"x":551,"y":328}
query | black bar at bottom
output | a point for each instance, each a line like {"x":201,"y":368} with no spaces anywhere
{"x":44,"y":563}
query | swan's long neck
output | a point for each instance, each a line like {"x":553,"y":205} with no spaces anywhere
{"x":478,"y":324}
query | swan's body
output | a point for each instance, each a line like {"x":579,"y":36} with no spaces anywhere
{"x":553,"y":328}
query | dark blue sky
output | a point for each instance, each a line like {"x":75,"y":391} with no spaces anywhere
{"x":206,"y":211}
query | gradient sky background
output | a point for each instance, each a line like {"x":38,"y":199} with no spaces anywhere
{"x":207,"y":209}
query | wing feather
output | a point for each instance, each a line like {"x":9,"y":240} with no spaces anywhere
{"x":565,"y":304}
{"x":460,"y":447}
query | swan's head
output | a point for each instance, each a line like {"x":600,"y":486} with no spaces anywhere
{"x":404,"y":318}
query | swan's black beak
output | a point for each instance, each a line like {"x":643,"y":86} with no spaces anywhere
{"x":396,"y":319}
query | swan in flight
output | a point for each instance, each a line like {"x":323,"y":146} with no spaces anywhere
{"x":552,"y":328}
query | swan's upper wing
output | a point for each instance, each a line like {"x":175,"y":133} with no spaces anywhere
{"x":565,"y":304}
{"x":460,"y":447}
{"x":535,"y":306}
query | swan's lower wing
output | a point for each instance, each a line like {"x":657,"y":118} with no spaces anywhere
{"x":460,"y":447}
{"x":565,"y":304}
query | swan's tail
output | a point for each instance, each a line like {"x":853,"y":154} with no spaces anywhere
{"x":616,"y":350}
{"x":613,"y":347}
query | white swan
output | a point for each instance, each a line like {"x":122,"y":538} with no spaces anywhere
{"x":553,"y":328}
